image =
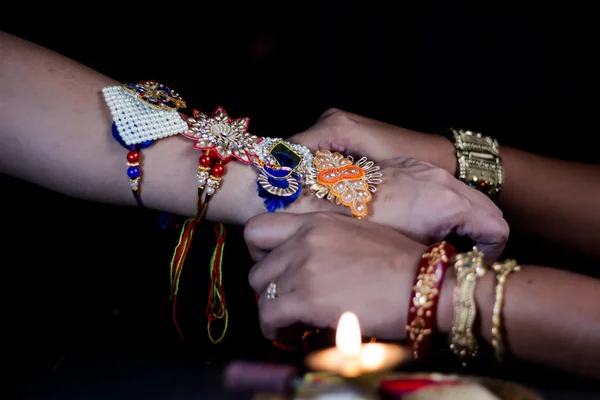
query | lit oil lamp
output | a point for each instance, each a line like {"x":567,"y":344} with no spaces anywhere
{"x":350,"y":358}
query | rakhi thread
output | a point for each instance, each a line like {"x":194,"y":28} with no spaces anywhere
{"x":216,"y":308}
{"x":221,"y":139}
{"x":183,"y":246}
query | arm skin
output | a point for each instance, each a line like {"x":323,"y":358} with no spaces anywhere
{"x":552,"y":199}
{"x":551,"y":317}
{"x":56,"y":103}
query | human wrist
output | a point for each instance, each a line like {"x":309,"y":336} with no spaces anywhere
{"x":424,"y":301}
{"x":445,"y":314}
{"x":237,"y":200}
{"x":443,"y":153}
{"x":484,"y":300}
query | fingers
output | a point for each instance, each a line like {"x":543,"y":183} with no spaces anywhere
{"x":267,"y":231}
{"x":488,"y":229}
{"x":279,"y":314}
{"x":269,"y":269}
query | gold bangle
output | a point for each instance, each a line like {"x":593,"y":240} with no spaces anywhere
{"x":468,"y":268}
{"x":502,"y":271}
{"x":479,"y":162}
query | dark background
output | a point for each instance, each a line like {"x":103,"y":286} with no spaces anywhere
{"x":90,"y":279}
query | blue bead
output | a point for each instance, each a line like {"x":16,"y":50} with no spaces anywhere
{"x":133,"y":172}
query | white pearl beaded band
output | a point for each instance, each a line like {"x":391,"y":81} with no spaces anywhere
{"x":138,"y":122}
{"x":142,"y":113}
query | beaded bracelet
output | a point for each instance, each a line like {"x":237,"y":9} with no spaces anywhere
{"x":142,"y":113}
{"x":425,"y":296}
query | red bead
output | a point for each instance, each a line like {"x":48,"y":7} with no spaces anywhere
{"x":214,"y":155}
{"x":218,"y":170}
{"x":133,"y":157}
{"x":205,"y":161}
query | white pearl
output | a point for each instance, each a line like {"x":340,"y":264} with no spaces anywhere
{"x":210,"y":190}
{"x":201,"y":182}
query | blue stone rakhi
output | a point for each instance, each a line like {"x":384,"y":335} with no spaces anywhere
{"x":142,"y":113}
{"x":282,"y":167}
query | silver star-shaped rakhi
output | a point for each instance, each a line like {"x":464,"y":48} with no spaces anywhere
{"x":226,"y":137}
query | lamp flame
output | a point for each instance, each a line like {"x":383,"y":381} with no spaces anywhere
{"x":348,"y":338}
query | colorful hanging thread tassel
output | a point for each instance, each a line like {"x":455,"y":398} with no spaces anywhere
{"x":221,"y":139}
{"x":216,"y":308}
{"x":183,"y":246}
{"x":209,"y":180}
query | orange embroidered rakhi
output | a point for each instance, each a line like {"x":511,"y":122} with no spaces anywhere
{"x":342,"y":180}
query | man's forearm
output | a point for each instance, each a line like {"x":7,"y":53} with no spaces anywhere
{"x":550,"y":317}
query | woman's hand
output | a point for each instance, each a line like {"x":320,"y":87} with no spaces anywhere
{"x":426,"y":203}
{"x":325,"y":264}
{"x":348,"y":133}
{"x":420,"y":200}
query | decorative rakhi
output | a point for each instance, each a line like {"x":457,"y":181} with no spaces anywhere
{"x":221,"y":139}
{"x":282,"y":168}
{"x":342,"y":180}
{"x":148,"y":111}
{"x":142,"y":113}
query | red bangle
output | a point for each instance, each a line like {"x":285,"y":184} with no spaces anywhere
{"x":425,"y":296}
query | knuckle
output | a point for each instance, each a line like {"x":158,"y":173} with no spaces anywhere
{"x":266,"y":324}
{"x":332,"y":113}
{"x":316,"y":236}
{"x":443,"y":177}
{"x":336,"y":120}
{"x":308,"y":277}
{"x":454,"y":200}
{"x":253,"y":278}
{"x":503,"y":230}
{"x":253,"y":225}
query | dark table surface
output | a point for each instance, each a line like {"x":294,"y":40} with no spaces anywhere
{"x":162,"y":378}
